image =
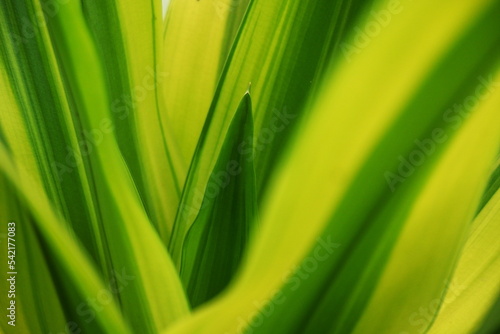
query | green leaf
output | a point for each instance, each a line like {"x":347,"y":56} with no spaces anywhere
{"x":491,"y":323}
{"x":46,"y":143}
{"x":128,"y":37}
{"x":356,"y":191}
{"x":436,"y":225}
{"x":475,"y":284}
{"x":493,"y":186}
{"x":215,"y":242}
{"x":130,"y":242}
{"x":36,"y":299}
{"x":370,"y":217}
{"x":277,"y":50}
{"x":74,"y":269}
{"x":116,"y":230}
{"x":197,"y":38}
{"x":333,"y":179}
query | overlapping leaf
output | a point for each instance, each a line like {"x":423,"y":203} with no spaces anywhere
{"x":377,"y":213}
{"x":279,"y":50}
{"x":218,"y":237}
{"x":128,"y":36}
{"x":337,"y":167}
{"x":41,"y":124}
{"x":475,"y":284}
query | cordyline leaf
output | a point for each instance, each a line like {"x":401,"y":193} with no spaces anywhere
{"x":35,"y":299}
{"x":155,"y":297}
{"x":75,"y":274}
{"x":492,"y":187}
{"x":128,"y":36}
{"x":215,"y":242}
{"x":415,"y":280}
{"x":45,"y":143}
{"x":347,"y":140}
{"x":104,"y":23}
{"x":197,"y":39}
{"x":370,"y":217}
{"x":124,"y":236}
{"x":491,"y":323}
{"x":475,"y":284}
{"x":277,"y":50}
{"x":42,"y":142}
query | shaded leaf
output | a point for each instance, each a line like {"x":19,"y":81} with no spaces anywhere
{"x":215,"y":242}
